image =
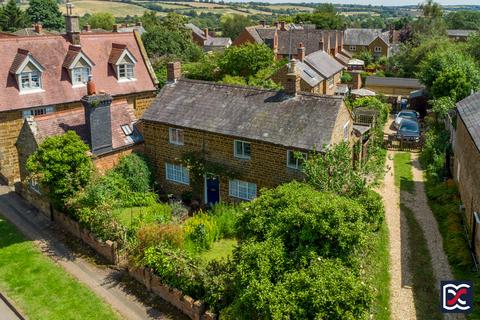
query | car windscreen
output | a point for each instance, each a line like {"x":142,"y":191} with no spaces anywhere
{"x":409,"y":126}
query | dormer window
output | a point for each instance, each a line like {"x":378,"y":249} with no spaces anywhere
{"x":78,"y":65}
{"x":123,"y":62}
{"x":27,"y":72}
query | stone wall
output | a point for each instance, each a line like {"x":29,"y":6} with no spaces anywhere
{"x":466,"y":172}
{"x":194,"y":309}
{"x":105,"y":162}
{"x":143,"y":102}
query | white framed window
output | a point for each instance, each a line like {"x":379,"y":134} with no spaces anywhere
{"x":242,"y":189}
{"x":80,"y":75}
{"x":175,"y":136}
{"x":295,"y":159}
{"x":346,"y":131}
{"x":126,"y":71}
{"x":242,"y":149}
{"x":377,"y":49}
{"x":30,"y":80}
{"x":37,"y":111}
{"x":353,"y":48}
{"x":177,"y":173}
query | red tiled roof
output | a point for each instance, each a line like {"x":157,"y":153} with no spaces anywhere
{"x":51,"y":51}
{"x":58,"y":123}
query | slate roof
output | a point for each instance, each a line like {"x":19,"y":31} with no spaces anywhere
{"x":309,"y":37}
{"x":199,"y":32}
{"x":459,"y":32}
{"x":309,"y":75}
{"x":218,"y":42}
{"x":305,"y":121}
{"x":323,"y":63}
{"x":394,"y":82}
{"x":469,"y":111}
{"x":50,"y":52}
{"x":58,"y":123}
{"x":361,"y":37}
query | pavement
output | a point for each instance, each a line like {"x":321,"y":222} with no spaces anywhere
{"x":105,"y":281}
{"x":6,"y":312}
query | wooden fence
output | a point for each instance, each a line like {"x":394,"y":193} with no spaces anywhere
{"x":392,"y":142}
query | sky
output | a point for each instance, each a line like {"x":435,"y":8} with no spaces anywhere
{"x":376,"y":2}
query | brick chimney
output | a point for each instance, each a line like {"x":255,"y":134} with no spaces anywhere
{"x":340,"y":41}
{"x":38,"y":27}
{"x":275,"y":43}
{"x":301,"y":52}
{"x":326,"y":42}
{"x":334,"y":44}
{"x":205,"y":33}
{"x":174,"y":71}
{"x":292,"y":83}
{"x":275,"y":24}
{"x":282,"y":26}
{"x":72,"y":25}
{"x":87,"y":28}
{"x":98,"y":122}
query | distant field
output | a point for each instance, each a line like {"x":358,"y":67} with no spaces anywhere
{"x":288,"y":7}
{"x":118,"y":9}
{"x":353,"y":13}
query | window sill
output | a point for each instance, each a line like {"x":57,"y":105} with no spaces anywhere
{"x":242,"y":158}
{"x":177,"y":182}
{"x":177,"y":144}
{"x":22,"y":92}
{"x":126,"y":80}
{"x":75,"y":86}
{"x":237,"y":197}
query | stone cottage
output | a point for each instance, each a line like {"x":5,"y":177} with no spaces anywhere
{"x":466,"y":166}
{"x":46,"y":74}
{"x":249,"y":138}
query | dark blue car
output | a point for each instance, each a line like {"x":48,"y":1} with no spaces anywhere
{"x":409,"y":130}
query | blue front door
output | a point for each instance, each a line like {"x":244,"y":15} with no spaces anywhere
{"x":213,"y":190}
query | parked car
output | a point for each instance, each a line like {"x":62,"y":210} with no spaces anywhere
{"x":405,"y":114}
{"x":409,"y":130}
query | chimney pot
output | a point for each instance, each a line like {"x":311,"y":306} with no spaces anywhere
{"x":37,"y":27}
{"x":174,"y":71}
{"x":115,"y":27}
{"x":276,"y":24}
{"x":205,"y":31}
{"x":301,"y":52}
{"x":91,"y":88}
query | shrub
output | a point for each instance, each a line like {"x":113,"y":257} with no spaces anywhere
{"x":101,"y":223}
{"x":434,"y":151}
{"x":134,"y":168}
{"x":373,"y":204}
{"x":176,"y":268}
{"x":201,"y":231}
{"x":306,"y":221}
{"x":225,"y":216}
{"x":61,"y":164}
{"x":153,"y":234}
{"x":346,"y":77}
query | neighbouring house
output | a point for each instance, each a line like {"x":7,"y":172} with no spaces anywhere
{"x":35,"y":30}
{"x":319,"y":72}
{"x":460,"y":35}
{"x":246,"y":138}
{"x":466,"y":166}
{"x":107,"y":126}
{"x":391,"y":86}
{"x":284,"y":39}
{"x":376,"y":41}
{"x":47,"y":74}
{"x":208,"y":41}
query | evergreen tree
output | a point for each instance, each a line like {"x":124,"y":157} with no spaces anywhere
{"x":47,"y":13}
{"x":12,"y":17}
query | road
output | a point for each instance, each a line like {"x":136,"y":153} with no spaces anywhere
{"x":105,"y":282}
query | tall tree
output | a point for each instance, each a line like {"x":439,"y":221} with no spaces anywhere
{"x":233,"y":24}
{"x":101,"y":20}
{"x":431,"y":22}
{"x":47,"y":13}
{"x":12,"y":17}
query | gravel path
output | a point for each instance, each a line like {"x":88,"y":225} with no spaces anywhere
{"x":401,"y":294}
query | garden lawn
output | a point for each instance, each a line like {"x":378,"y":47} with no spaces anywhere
{"x":220,"y":249}
{"x":40,"y":288}
{"x":402,"y":163}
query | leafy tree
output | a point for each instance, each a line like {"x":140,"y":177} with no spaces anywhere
{"x":442,"y":106}
{"x":366,"y":56}
{"x":101,"y":20}
{"x":47,"y":13}
{"x":168,"y":36}
{"x":473,"y":46}
{"x":432,"y":22}
{"x":246,"y":60}
{"x":467,"y":20}
{"x":325,"y":16}
{"x":61,"y":164}
{"x":233,"y":24}
{"x":135,"y":169}
{"x":12,"y":17}
{"x":449,"y":73}
{"x":332,"y":171}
